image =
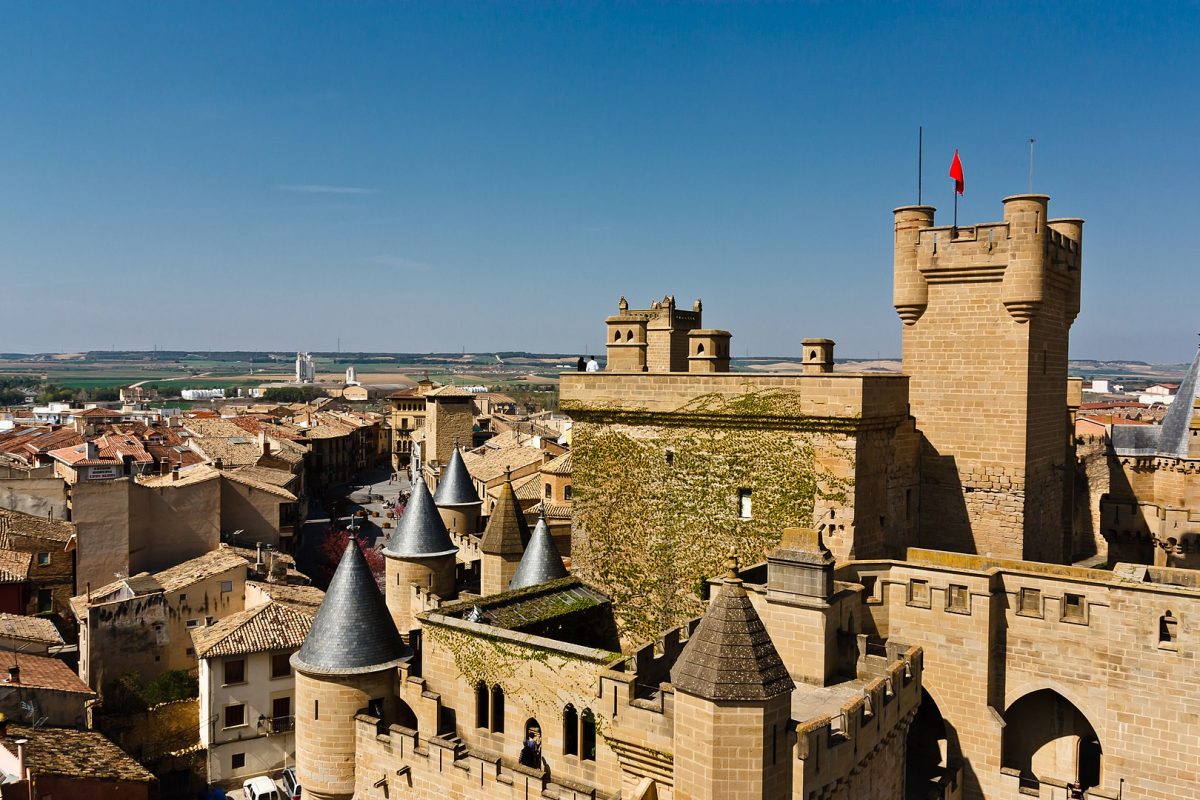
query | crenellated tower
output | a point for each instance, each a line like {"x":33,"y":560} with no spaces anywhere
{"x":987,"y":312}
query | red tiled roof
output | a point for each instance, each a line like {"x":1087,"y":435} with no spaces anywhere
{"x":41,"y":672}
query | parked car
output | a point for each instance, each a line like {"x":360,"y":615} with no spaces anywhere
{"x":260,"y":788}
{"x":291,"y":784}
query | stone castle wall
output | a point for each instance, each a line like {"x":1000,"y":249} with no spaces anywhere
{"x":834,"y":452}
{"x":1089,"y":636}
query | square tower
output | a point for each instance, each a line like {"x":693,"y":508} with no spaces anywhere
{"x":987,"y":312}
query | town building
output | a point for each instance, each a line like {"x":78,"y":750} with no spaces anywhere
{"x":39,"y":690}
{"x":44,"y":763}
{"x":51,"y":543}
{"x":33,"y":635}
{"x":247,"y":689}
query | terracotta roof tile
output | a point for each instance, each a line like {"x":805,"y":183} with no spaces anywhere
{"x":271,"y":626}
{"x":43,"y":672}
{"x":14,"y":566}
{"x":558,"y":466}
{"x":74,"y":753}
{"x":19,"y":524}
{"x":198,"y":569}
{"x":29,"y":629}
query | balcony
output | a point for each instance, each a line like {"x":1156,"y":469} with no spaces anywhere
{"x":273,"y":725}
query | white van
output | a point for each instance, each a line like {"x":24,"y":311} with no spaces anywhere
{"x":260,"y":788}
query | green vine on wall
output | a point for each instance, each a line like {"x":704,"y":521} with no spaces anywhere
{"x":657,"y":505}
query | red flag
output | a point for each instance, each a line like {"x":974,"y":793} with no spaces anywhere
{"x":956,"y":172}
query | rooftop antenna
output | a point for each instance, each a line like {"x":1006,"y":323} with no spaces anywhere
{"x":920,"y":159}
{"x":1031,"y":141}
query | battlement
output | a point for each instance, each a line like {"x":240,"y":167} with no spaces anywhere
{"x":1030,"y":254}
{"x":655,"y":339}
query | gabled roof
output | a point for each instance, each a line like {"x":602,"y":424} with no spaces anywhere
{"x":18,"y":523}
{"x":420,"y":532}
{"x":443,"y":392}
{"x":197,"y":569}
{"x":456,"y":487}
{"x":730,"y":656}
{"x":14,"y":566}
{"x":265,"y":479}
{"x":74,"y":753}
{"x":541,"y":562}
{"x":43,"y":672}
{"x":507,"y":532}
{"x":558,"y":466}
{"x":353,"y":631}
{"x":271,"y":626}
{"x":29,"y":629}
{"x":188,"y":476}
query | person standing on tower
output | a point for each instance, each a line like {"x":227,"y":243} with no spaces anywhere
{"x":582,"y":364}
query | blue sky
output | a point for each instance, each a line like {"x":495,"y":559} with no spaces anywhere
{"x":436,"y":176}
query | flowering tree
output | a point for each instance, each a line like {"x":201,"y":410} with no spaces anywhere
{"x":335,"y":544}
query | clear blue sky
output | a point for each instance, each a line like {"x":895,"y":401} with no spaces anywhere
{"x":494,"y":176}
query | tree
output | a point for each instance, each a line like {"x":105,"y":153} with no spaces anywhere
{"x":292,"y":394}
{"x":335,"y":544}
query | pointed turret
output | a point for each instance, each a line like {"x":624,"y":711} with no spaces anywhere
{"x":352,"y":631}
{"x":420,"y":532}
{"x":503,"y":542}
{"x":730,"y":677}
{"x":419,"y":556}
{"x":730,"y":656}
{"x":347,"y":661}
{"x":456,"y":498}
{"x":541,"y":562}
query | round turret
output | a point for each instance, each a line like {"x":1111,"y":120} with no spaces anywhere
{"x":456,"y":499}
{"x":418,"y":558}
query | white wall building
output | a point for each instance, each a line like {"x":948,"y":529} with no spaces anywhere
{"x":247,"y":690}
{"x":306,"y":368}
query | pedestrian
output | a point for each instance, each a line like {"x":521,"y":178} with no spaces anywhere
{"x":582,"y":365}
{"x":592,"y":366}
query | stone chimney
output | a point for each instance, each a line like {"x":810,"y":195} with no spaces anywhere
{"x":14,"y":674}
{"x":174,"y":472}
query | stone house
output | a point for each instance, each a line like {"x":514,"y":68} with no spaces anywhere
{"x":44,"y":691}
{"x":52,"y":568}
{"x":49,"y":763}
{"x":247,"y":689}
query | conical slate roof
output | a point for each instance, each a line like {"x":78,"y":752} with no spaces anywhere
{"x":541,"y":562}
{"x":507,"y":532}
{"x":456,"y":487}
{"x":730,"y":656}
{"x":420,"y":532}
{"x":1173,"y":441}
{"x":353,"y":631}
{"x":1170,"y":439}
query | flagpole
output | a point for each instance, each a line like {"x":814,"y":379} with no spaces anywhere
{"x":920,"y":159}
{"x":956,"y":206}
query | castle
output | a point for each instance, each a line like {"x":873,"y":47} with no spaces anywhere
{"x":922,"y":634}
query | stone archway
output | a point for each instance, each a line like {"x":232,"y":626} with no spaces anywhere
{"x":927,"y":751}
{"x":1047,"y":737}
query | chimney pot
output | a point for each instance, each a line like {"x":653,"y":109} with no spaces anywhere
{"x":14,"y":674}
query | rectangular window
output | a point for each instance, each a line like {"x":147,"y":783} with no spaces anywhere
{"x":235,"y":716}
{"x":918,"y":592}
{"x":226,"y":586}
{"x":745,"y":509}
{"x":1073,"y":608}
{"x":43,"y":559}
{"x":235,"y":671}
{"x":281,"y":665}
{"x":958,"y":598}
{"x":1030,"y":603}
{"x":237,"y":761}
{"x":869,"y":583}
{"x":193,"y":623}
{"x":45,"y":601}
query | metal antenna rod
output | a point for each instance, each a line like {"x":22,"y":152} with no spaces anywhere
{"x":1031,"y":141}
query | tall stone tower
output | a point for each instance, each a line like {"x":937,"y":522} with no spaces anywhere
{"x":347,"y":663}
{"x":987,"y":311}
{"x":449,"y":419}
{"x":420,"y":554}
{"x":653,"y":339}
{"x":733,"y":703}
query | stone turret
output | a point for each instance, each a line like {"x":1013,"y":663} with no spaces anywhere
{"x":541,"y":562}
{"x":708,"y":350}
{"x":456,"y":498}
{"x":818,"y":356}
{"x":653,"y":339}
{"x":503,"y":543}
{"x":419,"y":554}
{"x":732,"y":705}
{"x":346,"y":665}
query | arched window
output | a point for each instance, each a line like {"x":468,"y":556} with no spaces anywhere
{"x":587,"y":736}
{"x":1046,"y":737}
{"x":567,"y":492}
{"x":617,"y":336}
{"x":570,"y":731}
{"x":481,"y":705}
{"x":699,"y":349}
{"x":548,"y":491}
{"x":629,"y":336}
{"x":531,"y":745}
{"x":1168,"y":629}
{"x":497,"y":709}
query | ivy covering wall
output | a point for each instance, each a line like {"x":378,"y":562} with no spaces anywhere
{"x":656,"y":504}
